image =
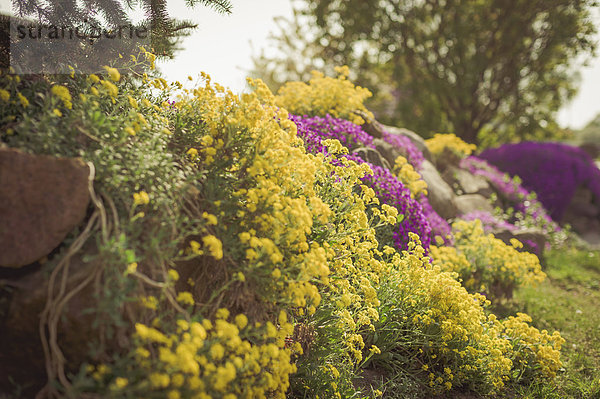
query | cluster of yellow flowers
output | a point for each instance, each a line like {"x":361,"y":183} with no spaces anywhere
{"x":485,"y":263}
{"x":285,"y":242}
{"x":274,"y":198}
{"x":450,"y":142}
{"x":410,"y":177}
{"x":455,"y":346}
{"x":324,"y":95}
{"x":10,"y":94}
{"x":532,"y":351}
{"x":205,"y":359}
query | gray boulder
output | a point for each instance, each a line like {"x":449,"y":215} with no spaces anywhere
{"x":472,"y":202}
{"x":466,"y":182}
{"x":373,"y":156}
{"x":417,"y":140}
{"x":387,"y":151}
{"x":583,"y":214}
{"x":440,"y":194}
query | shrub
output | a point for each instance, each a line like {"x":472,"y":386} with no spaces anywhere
{"x":229,"y":176}
{"x":523,"y":209}
{"x":229,"y":262}
{"x":324,"y":95}
{"x":349,"y":134}
{"x":535,"y":354}
{"x":387,"y":187}
{"x":449,"y":142}
{"x":489,"y":222}
{"x":433,"y":337}
{"x":433,"y":333}
{"x":553,"y":171}
{"x":486,"y":264}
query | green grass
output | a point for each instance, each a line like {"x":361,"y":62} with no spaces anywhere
{"x":568,"y":301}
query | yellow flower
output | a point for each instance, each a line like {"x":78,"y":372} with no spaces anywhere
{"x":63,"y":93}
{"x":57,"y":112}
{"x":241,"y":321}
{"x":131,"y":268}
{"x":130,"y":130}
{"x":113,"y":73}
{"x":192,"y":152}
{"x":173,"y":275}
{"x":150,"y":302}
{"x":217,"y":351}
{"x":132,"y":102}
{"x":210,"y":219}
{"x":141,"y":198}
{"x":110,"y":88}
{"x":214,"y":246}
{"x":4,"y":95}
{"x":173,"y":394}
{"x":222,"y":313}
{"x":121,"y":382}
{"x":185,"y":298}
{"x":159,"y":380}
{"x":24,"y":101}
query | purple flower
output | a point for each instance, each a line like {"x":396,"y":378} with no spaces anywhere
{"x":349,"y":134}
{"x":553,"y":170}
{"x":489,"y":221}
{"x":387,"y":187}
{"x":439,"y":225}
{"x":413,"y":154}
{"x":522,"y":200}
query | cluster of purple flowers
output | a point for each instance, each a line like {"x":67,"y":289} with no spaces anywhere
{"x":521,"y":199}
{"x":413,"y":154}
{"x":353,"y":136}
{"x":490,"y":222}
{"x":392,"y":192}
{"x":349,"y":134}
{"x":553,"y":170}
{"x":387,"y":187}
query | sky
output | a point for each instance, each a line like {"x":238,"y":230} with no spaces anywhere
{"x":223,"y":46}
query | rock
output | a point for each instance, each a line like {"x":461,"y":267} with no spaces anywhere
{"x":533,"y":240}
{"x":371,"y":126}
{"x":592,"y":236}
{"x":592,"y":149}
{"x":440,"y":194}
{"x":42,"y":198}
{"x":447,"y":160}
{"x":372,"y":156}
{"x":581,"y":205}
{"x":21,"y":353}
{"x":467,"y":182}
{"x":472,"y":202}
{"x":583,"y":214}
{"x":417,"y":140}
{"x":387,"y":151}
